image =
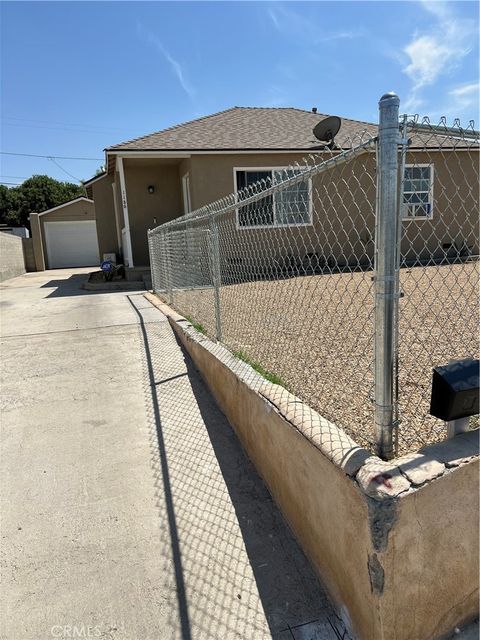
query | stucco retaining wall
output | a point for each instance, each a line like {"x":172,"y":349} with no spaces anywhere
{"x":395,"y":544}
{"x":12,"y":260}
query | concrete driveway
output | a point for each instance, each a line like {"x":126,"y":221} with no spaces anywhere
{"x":129,"y":509}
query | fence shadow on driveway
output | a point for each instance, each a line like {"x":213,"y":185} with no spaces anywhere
{"x":235,"y":560}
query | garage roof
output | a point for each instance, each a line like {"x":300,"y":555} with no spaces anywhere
{"x":64,"y":204}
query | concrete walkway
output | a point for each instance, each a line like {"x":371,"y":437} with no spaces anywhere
{"x":129,"y":509}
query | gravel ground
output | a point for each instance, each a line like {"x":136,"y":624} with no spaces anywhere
{"x":316,"y":334}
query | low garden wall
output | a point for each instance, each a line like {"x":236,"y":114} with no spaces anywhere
{"x":12,"y":260}
{"x":395,"y":543}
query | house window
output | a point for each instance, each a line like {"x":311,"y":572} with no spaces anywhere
{"x":418,"y":192}
{"x":288,"y":207}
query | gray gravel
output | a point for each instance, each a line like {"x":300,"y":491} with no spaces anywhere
{"x":316,"y":334}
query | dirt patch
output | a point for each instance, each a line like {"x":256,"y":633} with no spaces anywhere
{"x":316,"y":334}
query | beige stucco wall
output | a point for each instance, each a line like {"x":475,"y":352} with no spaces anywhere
{"x":37,"y":240}
{"x":12,"y":261}
{"x":105,"y":216}
{"x":343,"y":207}
{"x":211,"y":176}
{"x":456,"y":184}
{"x":147,"y":210}
{"x":400,"y":558}
{"x":432,"y":561}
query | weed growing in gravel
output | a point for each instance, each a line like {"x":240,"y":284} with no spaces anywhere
{"x":268,"y":375}
{"x":196,"y":325}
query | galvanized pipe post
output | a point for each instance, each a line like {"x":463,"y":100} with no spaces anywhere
{"x":168,"y":267}
{"x":216,"y":275}
{"x":163,"y":264}
{"x":151,"y":252}
{"x":386,"y":273}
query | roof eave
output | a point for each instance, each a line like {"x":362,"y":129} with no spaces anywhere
{"x":216,"y":150}
{"x":95,"y":178}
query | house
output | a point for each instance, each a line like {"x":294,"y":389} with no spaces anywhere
{"x":65,"y":236}
{"x":21,"y":232}
{"x":155,"y":178}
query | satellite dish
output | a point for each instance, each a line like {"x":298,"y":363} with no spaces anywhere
{"x":327,"y":129}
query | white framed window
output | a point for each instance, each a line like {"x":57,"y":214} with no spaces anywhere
{"x":418,"y":192}
{"x":290,"y":207}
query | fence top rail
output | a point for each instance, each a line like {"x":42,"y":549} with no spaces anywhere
{"x":302,"y":170}
{"x":455,"y":132}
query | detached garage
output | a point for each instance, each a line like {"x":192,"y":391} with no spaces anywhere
{"x":66,"y":236}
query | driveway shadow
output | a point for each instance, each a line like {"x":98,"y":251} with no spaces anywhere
{"x":291,"y":594}
{"x":294,"y":603}
{"x":72,"y":286}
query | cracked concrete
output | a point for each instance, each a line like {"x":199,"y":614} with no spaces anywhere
{"x":420,"y":468}
{"x":377,"y":574}
{"x":381,"y":517}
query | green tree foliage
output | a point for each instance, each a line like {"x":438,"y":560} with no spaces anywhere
{"x":36,"y":194}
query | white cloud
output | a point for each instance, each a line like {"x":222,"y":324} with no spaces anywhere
{"x":437,"y":50}
{"x":462,"y":99}
{"x":291,"y":23}
{"x":467,"y":92}
{"x":176,"y":67}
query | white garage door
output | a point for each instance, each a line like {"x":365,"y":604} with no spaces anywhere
{"x":71,"y":244}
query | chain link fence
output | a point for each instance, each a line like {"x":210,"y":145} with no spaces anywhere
{"x":438,"y":308}
{"x":285,"y":272}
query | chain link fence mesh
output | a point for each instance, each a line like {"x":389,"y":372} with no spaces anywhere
{"x":281,"y":273}
{"x":438,"y":310}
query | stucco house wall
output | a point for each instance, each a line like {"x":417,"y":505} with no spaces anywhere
{"x":147,"y":210}
{"x":343,"y":204}
{"x":212,"y":176}
{"x":456,"y":201}
{"x":102,"y":194}
{"x":343,"y":200}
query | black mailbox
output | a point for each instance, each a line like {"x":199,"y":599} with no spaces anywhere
{"x":455,"y":390}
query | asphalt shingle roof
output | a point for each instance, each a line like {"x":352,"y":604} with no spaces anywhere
{"x":253,"y":128}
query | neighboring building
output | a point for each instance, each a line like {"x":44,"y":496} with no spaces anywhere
{"x":65,"y":236}
{"x":161,"y":176}
{"x":21,"y":232}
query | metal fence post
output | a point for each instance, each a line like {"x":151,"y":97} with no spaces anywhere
{"x":168,"y":267}
{"x":386,"y":272}
{"x":216,"y":276}
{"x":151,"y":254}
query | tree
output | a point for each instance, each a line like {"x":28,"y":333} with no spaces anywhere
{"x":36,"y":194}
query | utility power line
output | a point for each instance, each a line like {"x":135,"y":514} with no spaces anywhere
{"x":66,"y":124}
{"x":98,"y":132}
{"x":35,"y":155}
{"x":64,"y":170}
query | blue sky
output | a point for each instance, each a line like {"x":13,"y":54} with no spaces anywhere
{"x":79,"y":76}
